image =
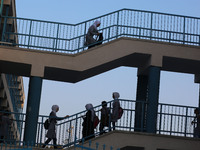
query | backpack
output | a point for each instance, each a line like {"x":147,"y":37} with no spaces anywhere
{"x":46,"y":124}
{"x":96,"y":121}
{"x":121,"y":111}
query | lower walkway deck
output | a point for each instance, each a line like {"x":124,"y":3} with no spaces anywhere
{"x":126,"y":140}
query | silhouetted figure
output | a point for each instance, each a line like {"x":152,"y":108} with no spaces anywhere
{"x":88,"y":123}
{"x":51,"y":133}
{"x":115,"y":109}
{"x":105,"y":113}
{"x":92,"y":31}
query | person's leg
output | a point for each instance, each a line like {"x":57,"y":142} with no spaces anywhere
{"x":113,"y":123}
{"x":1,"y":139}
{"x":46,"y":142}
{"x":100,"y":40}
{"x":93,"y":45}
{"x":101,"y":128}
{"x":54,"y":143}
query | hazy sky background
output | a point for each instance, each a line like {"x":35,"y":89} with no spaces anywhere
{"x":175,"y":88}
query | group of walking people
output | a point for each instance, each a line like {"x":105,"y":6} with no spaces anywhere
{"x":108,"y":116}
{"x":90,"y":120}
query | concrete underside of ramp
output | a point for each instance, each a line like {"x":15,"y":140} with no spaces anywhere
{"x":137,"y":141}
{"x":120,"y":52}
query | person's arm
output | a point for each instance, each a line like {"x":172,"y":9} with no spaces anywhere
{"x":61,"y":118}
{"x":93,"y":31}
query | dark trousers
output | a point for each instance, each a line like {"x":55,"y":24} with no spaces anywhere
{"x":2,"y":140}
{"x":48,"y":140}
{"x":101,"y":128}
{"x":113,"y":124}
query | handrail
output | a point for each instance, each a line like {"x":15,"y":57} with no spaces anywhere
{"x":171,"y":120}
{"x":154,"y":12}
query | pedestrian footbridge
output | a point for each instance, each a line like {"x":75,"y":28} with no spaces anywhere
{"x":150,"y":41}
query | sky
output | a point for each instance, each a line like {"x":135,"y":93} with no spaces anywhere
{"x":175,"y":88}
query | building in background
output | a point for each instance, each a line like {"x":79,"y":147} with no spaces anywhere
{"x":11,"y":86}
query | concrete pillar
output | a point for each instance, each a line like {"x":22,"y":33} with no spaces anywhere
{"x":152,"y":99}
{"x":32,"y":110}
{"x":140,"y":106}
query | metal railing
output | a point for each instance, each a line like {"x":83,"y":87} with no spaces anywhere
{"x":1,"y":7}
{"x":174,"y":120}
{"x":70,"y":38}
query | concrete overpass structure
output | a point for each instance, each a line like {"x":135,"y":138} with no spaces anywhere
{"x":150,"y":57}
{"x":150,"y":47}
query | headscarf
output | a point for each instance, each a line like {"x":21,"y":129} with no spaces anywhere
{"x":116,"y":95}
{"x":54,"y":108}
{"x":91,"y":108}
{"x":96,"y":23}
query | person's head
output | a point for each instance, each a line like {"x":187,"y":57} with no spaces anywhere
{"x":196,"y":111}
{"x":89,"y":107}
{"x":104,"y":104}
{"x":97,"y":23}
{"x":115,"y":95}
{"x":55,"y":108}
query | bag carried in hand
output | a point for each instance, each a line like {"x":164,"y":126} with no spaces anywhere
{"x":96,"y":121}
{"x":121,"y":111}
{"x":46,"y":124}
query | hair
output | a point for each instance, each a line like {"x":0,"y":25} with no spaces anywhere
{"x":104,"y":103}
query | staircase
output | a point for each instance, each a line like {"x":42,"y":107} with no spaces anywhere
{"x":70,"y":38}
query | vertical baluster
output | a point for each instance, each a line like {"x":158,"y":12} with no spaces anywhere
{"x":160,"y":123}
{"x":186,"y":116}
{"x":183,"y":30}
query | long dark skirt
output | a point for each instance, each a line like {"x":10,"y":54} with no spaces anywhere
{"x":88,"y":127}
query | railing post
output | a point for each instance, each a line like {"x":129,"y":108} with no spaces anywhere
{"x":160,"y":118}
{"x":84,"y":37}
{"x":1,"y":9}
{"x":56,"y":39}
{"x":143,"y":116}
{"x":186,"y":121}
{"x":117,"y":24}
{"x":199,"y":40}
{"x":29,"y":34}
{"x":170,"y":37}
{"x":5,"y":24}
{"x":41,"y":130}
{"x":109,"y":35}
{"x":151,"y":26}
{"x":75,"y":130}
{"x":79,"y":44}
{"x":171,"y":124}
{"x":184,"y":30}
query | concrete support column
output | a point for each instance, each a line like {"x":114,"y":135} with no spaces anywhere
{"x":32,"y":110}
{"x":140,"y":106}
{"x":152,"y":99}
